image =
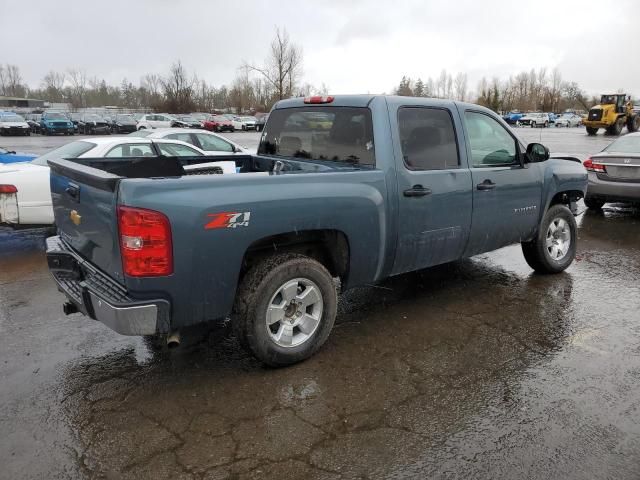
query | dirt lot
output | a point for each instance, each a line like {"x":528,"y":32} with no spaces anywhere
{"x":477,"y":369}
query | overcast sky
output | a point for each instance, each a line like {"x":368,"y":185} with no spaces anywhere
{"x":351,"y":46}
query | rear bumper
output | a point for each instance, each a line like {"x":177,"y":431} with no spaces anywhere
{"x":618,"y":191}
{"x":98,"y":296}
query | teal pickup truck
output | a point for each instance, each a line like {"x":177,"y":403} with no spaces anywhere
{"x":344,"y":191}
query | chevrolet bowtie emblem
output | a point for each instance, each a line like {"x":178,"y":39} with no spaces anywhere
{"x":75,"y":217}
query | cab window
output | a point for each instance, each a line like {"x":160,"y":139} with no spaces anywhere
{"x":491,"y":144}
{"x":427,"y":138}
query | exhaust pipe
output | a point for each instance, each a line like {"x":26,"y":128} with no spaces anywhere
{"x":173,"y":339}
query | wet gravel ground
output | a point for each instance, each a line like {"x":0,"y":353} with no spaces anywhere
{"x":476,"y":369}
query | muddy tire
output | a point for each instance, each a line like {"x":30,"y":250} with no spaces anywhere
{"x":594,"y":203}
{"x":633,"y":124}
{"x":592,"y":131}
{"x":285,"y":309}
{"x":554,"y":247}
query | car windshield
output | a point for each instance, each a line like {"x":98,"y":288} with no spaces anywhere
{"x":220,"y":119}
{"x":626,"y":144}
{"x":336,"y":134}
{"x":55,"y":116}
{"x":125,"y":118}
{"x":3,"y":151}
{"x":92,"y":118}
{"x":11,"y":118}
{"x":249,"y":119}
{"x":70,"y":150}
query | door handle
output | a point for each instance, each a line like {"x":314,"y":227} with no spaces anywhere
{"x":486,"y":185}
{"x":73,"y":191}
{"x":417,"y":191}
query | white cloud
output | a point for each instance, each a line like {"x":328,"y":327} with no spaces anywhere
{"x":352,"y":46}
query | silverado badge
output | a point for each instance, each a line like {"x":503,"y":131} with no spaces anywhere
{"x":75,"y":217}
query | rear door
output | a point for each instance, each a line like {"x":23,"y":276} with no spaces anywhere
{"x":507,"y":195}
{"x":434,"y":185}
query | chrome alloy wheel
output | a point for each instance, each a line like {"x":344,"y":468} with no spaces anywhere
{"x":294,"y":312}
{"x":558,"y":239}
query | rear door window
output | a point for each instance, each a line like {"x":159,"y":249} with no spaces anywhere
{"x":131,"y":150}
{"x":335,"y":134}
{"x":428,"y":138}
{"x":211,"y":143}
{"x":177,"y":150}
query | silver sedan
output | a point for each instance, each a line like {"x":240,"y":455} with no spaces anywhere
{"x":614,"y":173}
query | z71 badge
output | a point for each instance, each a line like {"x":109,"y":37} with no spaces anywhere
{"x":227,"y":220}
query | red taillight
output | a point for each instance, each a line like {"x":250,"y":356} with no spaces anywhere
{"x":592,"y":166}
{"x":8,"y":189}
{"x":318,"y":99}
{"x":145,"y":242}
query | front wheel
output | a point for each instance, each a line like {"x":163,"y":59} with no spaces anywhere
{"x":592,"y":131}
{"x":554,"y":247}
{"x":285,"y":309}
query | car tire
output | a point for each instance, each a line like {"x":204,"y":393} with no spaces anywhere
{"x":278,"y":279}
{"x":594,"y":203}
{"x":554,"y":247}
{"x":592,"y":131}
{"x":633,"y":124}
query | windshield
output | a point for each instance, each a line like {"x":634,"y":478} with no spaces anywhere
{"x":125,"y":118}
{"x":187,"y":119}
{"x":55,"y":116}
{"x":626,"y":144}
{"x":70,"y":150}
{"x":92,"y":118}
{"x":3,"y":151}
{"x":337,"y":134}
{"x":220,"y":119}
{"x":11,"y":118}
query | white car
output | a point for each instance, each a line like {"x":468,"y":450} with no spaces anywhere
{"x":244,"y":123}
{"x":211,"y":143}
{"x":12,"y":124}
{"x":569,"y":120}
{"x":155,"y":120}
{"x":25,"y":194}
{"x":535,"y":120}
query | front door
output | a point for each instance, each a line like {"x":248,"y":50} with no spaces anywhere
{"x":434,"y":185}
{"x":507,"y":193}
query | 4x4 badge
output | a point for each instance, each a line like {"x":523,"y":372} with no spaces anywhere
{"x":227,"y":220}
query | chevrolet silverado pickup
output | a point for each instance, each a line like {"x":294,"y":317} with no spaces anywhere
{"x":343,"y":191}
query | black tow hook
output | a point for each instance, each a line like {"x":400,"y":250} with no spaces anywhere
{"x":68,"y":308}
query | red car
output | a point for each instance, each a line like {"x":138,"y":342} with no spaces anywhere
{"x":218,"y":123}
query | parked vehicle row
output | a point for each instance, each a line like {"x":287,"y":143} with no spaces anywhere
{"x":542,"y":119}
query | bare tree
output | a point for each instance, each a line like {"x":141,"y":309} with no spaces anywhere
{"x":283,"y":67}
{"x":11,"y":83}
{"x":78,"y":81}
{"x":460,"y":86}
{"x":178,"y":89}
{"x":53,"y":85}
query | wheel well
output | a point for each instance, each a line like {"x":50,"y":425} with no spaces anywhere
{"x":566,"y":198}
{"x":329,"y":247}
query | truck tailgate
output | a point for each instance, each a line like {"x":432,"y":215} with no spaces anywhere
{"x":84,"y":207}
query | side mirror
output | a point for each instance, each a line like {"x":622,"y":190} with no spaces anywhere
{"x":536,"y":152}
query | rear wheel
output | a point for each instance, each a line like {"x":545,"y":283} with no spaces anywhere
{"x":594,"y":203}
{"x":633,"y":124}
{"x":285,"y":309}
{"x":592,"y":131}
{"x":554,"y":247}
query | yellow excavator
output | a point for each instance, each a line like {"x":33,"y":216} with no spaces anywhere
{"x":612,"y":113}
